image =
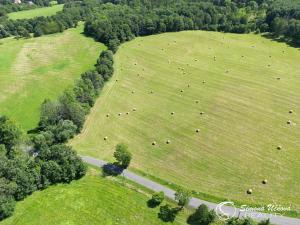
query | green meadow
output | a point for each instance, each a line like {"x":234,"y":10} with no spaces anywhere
{"x":92,"y":200}
{"x":28,"y":14}
{"x":32,"y":70}
{"x":238,"y":90}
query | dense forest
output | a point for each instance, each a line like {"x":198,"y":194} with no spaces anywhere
{"x":120,"y":20}
{"x":44,"y":159}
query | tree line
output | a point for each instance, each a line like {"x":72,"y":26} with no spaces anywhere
{"x":21,"y":173}
{"x":49,"y":160}
{"x":116,"y":21}
{"x":120,"y":21}
{"x":68,"y":18}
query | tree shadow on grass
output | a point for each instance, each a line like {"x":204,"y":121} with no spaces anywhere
{"x":274,"y":37}
{"x":112,"y":169}
{"x":152,"y":204}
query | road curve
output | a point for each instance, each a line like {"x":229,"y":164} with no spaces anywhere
{"x":195,"y":202}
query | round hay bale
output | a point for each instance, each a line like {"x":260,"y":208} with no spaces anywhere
{"x":127,"y":113}
{"x":105,"y":138}
{"x":204,"y":82}
{"x":120,"y":114}
{"x":249,"y":191}
{"x":134,"y":109}
{"x":133,"y":92}
{"x":278,"y":78}
{"x":172,"y":113}
{"x":289,"y":122}
{"x":154,"y":143}
{"x":197,"y":130}
{"x":279,"y":147}
{"x":168,"y":142}
{"x":291,"y":111}
{"x":265,"y":181}
{"x":181,"y":90}
{"x":117,"y":80}
{"x":201,"y":113}
{"x":107,"y":115}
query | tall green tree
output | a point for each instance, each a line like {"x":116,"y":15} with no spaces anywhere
{"x":122,"y":155}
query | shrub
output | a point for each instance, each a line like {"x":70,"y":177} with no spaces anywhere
{"x":167,"y":213}
{"x":157,"y":199}
{"x":182,"y":196}
{"x":202,"y":216}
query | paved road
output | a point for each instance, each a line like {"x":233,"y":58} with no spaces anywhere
{"x":195,"y":202}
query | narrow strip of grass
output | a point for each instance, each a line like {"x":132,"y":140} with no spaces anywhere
{"x":32,"y":13}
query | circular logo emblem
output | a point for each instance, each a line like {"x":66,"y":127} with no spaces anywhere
{"x":223,"y":213}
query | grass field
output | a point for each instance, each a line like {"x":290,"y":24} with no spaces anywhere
{"x":246,"y":109}
{"x":93,"y":200}
{"x":28,"y":14}
{"x":38,"y":68}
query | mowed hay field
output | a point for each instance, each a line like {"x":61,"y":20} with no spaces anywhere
{"x":38,"y":68}
{"x":233,"y":80}
{"x":28,"y":14}
{"x":93,"y":200}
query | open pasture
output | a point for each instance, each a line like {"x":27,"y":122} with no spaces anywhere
{"x":92,"y":200}
{"x":216,"y":113}
{"x":28,"y":14}
{"x":38,"y":68}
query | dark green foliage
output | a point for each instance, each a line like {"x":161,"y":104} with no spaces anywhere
{"x":167,"y":213}
{"x":202,"y":216}
{"x":265,"y":222}
{"x":104,"y":65}
{"x":43,"y":139}
{"x":182,"y":196}
{"x":51,"y":172}
{"x":9,"y":133}
{"x":122,"y":155}
{"x":22,"y":174}
{"x":156,"y":200}
{"x":236,"y":221}
{"x":62,"y":132}
{"x":113,"y":45}
{"x":65,"y":162}
{"x":95,"y":78}
{"x":7,"y":205}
